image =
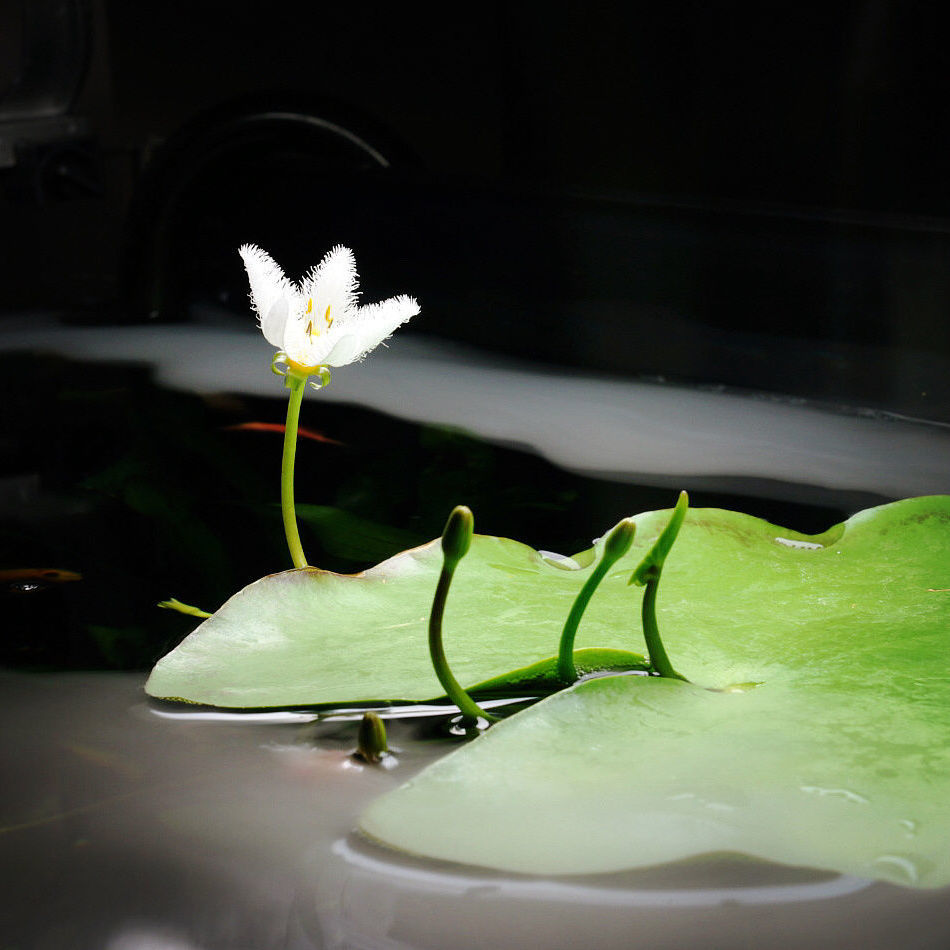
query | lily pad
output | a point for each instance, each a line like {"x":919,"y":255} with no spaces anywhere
{"x":838,"y":758}
{"x":309,"y":637}
{"x":735,"y":592}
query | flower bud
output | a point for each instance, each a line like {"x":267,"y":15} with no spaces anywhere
{"x":651,"y":566}
{"x":371,"y":741}
{"x":619,"y":539}
{"x":457,"y":534}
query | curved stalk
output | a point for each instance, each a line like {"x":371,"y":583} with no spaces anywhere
{"x":456,"y":539}
{"x":648,"y":574}
{"x":651,"y":633}
{"x":617,"y":544}
{"x":296,"y":385}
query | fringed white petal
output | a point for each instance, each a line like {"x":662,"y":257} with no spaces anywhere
{"x":333,"y":285}
{"x":320,"y":324}
{"x":274,"y":322}
{"x":347,"y":349}
{"x":267,"y":280}
{"x":372,"y":324}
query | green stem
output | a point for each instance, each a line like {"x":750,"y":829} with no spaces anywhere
{"x":566,"y":670}
{"x":651,"y":633}
{"x":617,"y":544}
{"x":467,"y":706}
{"x":296,"y":385}
{"x":647,"y":575}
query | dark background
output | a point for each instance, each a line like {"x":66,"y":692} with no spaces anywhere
{"x":745,"y":194}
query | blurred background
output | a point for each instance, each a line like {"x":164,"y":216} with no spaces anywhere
{"x":758,"y":190}
{"x":733,"y":199}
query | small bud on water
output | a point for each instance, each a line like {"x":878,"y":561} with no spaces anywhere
{"x":371,"y":741}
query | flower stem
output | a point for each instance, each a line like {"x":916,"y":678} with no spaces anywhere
{"x":651,"y":633}
{"x":647,"y":575}
{"x":296,"y":385}
{"x":455,"y":542}
{"x":617,"y":544}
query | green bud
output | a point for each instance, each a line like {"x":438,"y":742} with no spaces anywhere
{"x":620,"y":538}
{"x":616,"y":545}
{"x":371,"y":741}
{"x":652,"y":564}
{"x":456,"y":539}
{"x":457,"y":535}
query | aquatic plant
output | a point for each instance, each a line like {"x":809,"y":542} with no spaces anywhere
{"x":816,"y":732}
{"x":371,"y":742}
{"x":647,"y":575}
{"x":456,"y":540}
{"x":616,"y":545}
{"x":315,"y":324}
{"x":771,"y":624}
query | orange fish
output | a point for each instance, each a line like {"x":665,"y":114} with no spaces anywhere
{"x":281,"y":428}
{"x":46,"y":575}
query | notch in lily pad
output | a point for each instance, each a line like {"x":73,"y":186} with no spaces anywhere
{"x":615,"y":547}
{"x":647,"y":574}
{"x":456,"y":540}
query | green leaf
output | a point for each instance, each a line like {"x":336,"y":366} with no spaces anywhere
{"x":839,"y":757}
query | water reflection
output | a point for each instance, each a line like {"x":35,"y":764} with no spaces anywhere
{"x":361,"y":896}
{"x":151,"y":491}
{"x":607,"y":427}
{"x":773,"y":884}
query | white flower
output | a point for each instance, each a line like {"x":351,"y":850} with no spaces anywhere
{"x":318,"y":322}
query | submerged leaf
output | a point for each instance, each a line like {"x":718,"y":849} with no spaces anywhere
{"x":839,"y":757}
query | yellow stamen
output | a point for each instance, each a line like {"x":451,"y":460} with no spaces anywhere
{"x":328,"y":318}
{"x":310,"y":305}
{"x":311,"y":331}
